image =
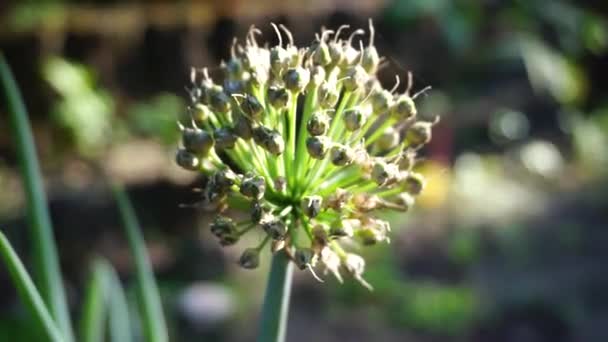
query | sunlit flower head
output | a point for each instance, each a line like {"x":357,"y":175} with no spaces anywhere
{"x":308,"y":143}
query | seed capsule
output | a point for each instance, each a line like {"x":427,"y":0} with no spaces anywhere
{"x":311,"y":205}
{"x":219,"y":100}
{"x":404,"y":107}
{"x":381,"y":101}
{"x":222,"y":225}
{"x":383,"y":173}
{"x":317,"y":76}
{"x":242,"y":127}
{"x":370,"y":59}
{"x":224,"y":179}
{"x":388,"y":140}
{"x":232,"y":86}
{"x":296,"y":79}
{"x":229,"y":239}
{"x":258,"y":211}
{"x":405,"y":201}
{"x":419,"y":134}
{"x":318,"y":124}
{"x":279,"y":59}
{"x":197,"y":141}
{"x":250,"y":258}
{"x":407,"y":160}
{"x":341,"y":155}
{"x":224,"y":138}
{"x":304,"y":257}
{"x":269,"y":139}
{"x":354,"y":78}
{"x":414,"y":183}
{"x":328,"y":95}
{"x":253,"y":186}
{"x":317,"y":146}
{"x":321,"y":55}
{"x":278,"y":97}
{"x":252,"y":108}
{"x":343,"y":227}
{"x":275,"y":228}
{"x":354,"y":118}
{"x":200,"y":113}
{"x":233,"y":68}
{"x":187,"y":160}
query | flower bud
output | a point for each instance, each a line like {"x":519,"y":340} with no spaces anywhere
{"x":187,"y":160}
{"x":224,"y":138}
{"x":354,"y":78}
{"x":232,"y":86}
{"x":242,"y":127}
{"x":258,"y":211}
{"x":275,"y":228}
{"x":343,"y":227}
{"x":317,"y":146}
{"x":229,"y":239}
{"x":224,"y":179}
{"x":197,"y":141}
{"x":341,"y":155}
{"x":321,"y":55}
{"x":354,"y":119}
{"x":383,"y":173}
{"x":419,"y":134}
{"x":405,"y":201}
{"x":404,"y":107}
{"x":414,"y":183}
{"x":318,"y":124}
{"x":269,"y":139}
{"x":252,"y":108}
{"x":279,"y":59}
{"x":370,"y":59}
{"x":381,"y":101}
{"x":253,"y":186}
{"x":304,"y":257}
{"x":200,"y":113}
{"x":407,"y":160}
{"x":388,"y":140}
{"x":222,"y":225}
{"x":311,"y":205}
{"x":296,"y":79}
{"x":233,"y":68}
{"x":278,"y":97}
{"x":219,"y":100}
{"x":250,"y":258}
{"x":328,"y":95}
{"x":317,"y":76}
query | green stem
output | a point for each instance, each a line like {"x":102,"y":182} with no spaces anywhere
{"x":273,"y":324}
{"x":47,"y":270}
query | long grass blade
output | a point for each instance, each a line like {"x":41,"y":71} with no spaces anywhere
{"x":155,"y":328}
{"x":92,"y":323}
{"x":46,"y":271}
{"x":27,"y":290}
{"x":118,"y":309}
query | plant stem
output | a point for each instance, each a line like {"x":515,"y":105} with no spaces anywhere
{"x":47,"y":271}
{"x":273,"y":324}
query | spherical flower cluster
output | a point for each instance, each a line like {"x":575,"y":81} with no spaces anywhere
{"x":308,"y":143}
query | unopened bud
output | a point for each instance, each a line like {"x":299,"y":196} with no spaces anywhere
{"x":269,"y":139}
{"x":404,"y":107}
{"x":252,"y":108}
{"x":224,"y":138}
{"x":318,"y":124}
{"x":250,"y":258}
{"x":419,"y":134}
{"x":354,"y":118}
{"x":354,"y":78}
{"x":311,"y":205}
{"x":278,"y":97}
{"x":317,"y":146}
{"x":341,"y":155}
{"x":296,"y":79}
{"x":187,"y":160}
{"x":197,"y":141}
{"x":328,"y":95}
{"x":253,"y":186}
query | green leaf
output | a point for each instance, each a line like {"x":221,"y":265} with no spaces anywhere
{"x":155,"y":328}
{"x":46,"y":271}
{"x":27,"y":290}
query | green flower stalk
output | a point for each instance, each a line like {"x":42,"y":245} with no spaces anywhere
{"x":309,"y":144}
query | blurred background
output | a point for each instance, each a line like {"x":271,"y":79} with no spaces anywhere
{"x":508,"y":243}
